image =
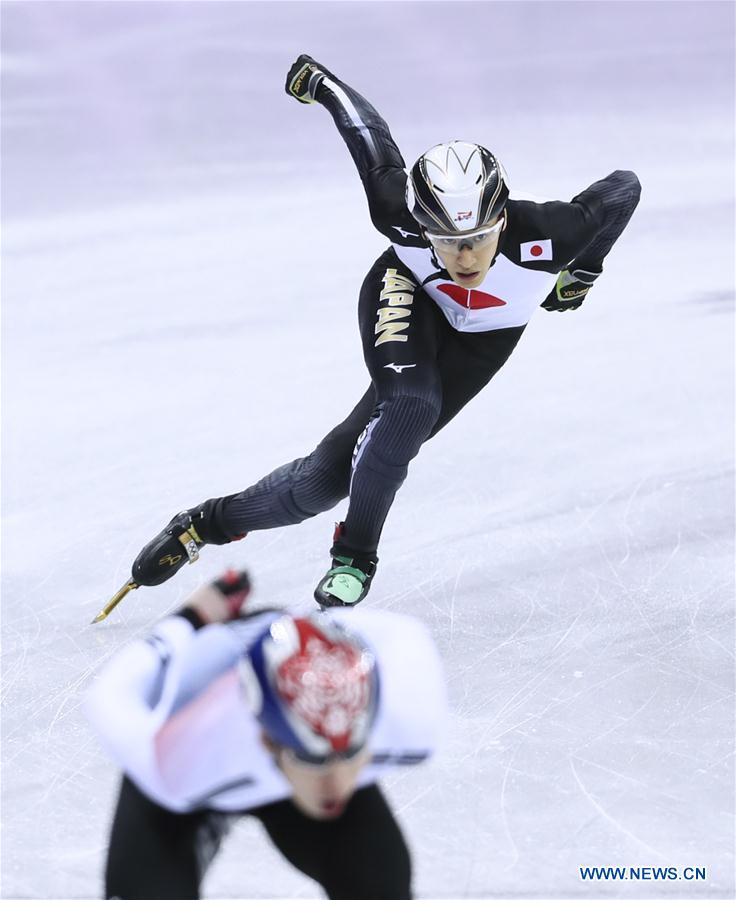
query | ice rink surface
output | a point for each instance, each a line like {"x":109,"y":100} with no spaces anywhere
{"x":182,"y":252}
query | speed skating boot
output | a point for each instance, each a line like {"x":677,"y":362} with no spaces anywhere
{"x":172,"y":548}
{"x":348,"y":579}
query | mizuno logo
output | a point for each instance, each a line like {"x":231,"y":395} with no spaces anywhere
{"x":400,"y":369}
{"x":404,"y":233}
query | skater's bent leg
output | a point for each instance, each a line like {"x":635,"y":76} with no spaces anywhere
{"x":155,"y":854}
{"x":400,"y":331}
{"x":295,"y":491}
{"x":383,"y":453}
{"x":465,"y":364}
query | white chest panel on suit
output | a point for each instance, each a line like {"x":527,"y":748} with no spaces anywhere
{"x":507,"y":297}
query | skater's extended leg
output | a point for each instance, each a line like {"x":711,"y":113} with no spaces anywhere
{"x":286,"y":496}
{"x":300,"y":489}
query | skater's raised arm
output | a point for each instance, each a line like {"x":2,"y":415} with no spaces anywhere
{"x":373,"y":149}
{"x":150,"y":678}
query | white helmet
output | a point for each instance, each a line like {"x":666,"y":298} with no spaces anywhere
{"x":456,"y":187}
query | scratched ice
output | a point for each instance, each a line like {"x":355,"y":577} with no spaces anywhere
{"x":182,"y":250}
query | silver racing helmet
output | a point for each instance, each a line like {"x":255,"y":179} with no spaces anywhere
{"x":457,"y":189}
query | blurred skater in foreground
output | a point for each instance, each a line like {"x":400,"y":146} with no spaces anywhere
{"x":222,"y":712}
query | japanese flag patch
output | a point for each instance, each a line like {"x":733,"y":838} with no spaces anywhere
{"x":534,"y":251}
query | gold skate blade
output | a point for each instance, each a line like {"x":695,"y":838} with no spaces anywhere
{"x":106,"y":610}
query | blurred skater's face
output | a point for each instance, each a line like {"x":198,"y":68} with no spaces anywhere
{"x":320,"y":791}
{"x":468,"y":261}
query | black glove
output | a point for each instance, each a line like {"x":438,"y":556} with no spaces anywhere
{"x":304,"y":78}
{"x":570,"y":290}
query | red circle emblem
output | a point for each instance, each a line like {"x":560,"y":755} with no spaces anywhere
{"x":536,"y":250}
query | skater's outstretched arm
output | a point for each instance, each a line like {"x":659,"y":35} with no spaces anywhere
{"x":377,"y":158}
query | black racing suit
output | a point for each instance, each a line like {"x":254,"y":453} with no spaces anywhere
{"x":155,"y":854}
{"x":426,"y":360}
